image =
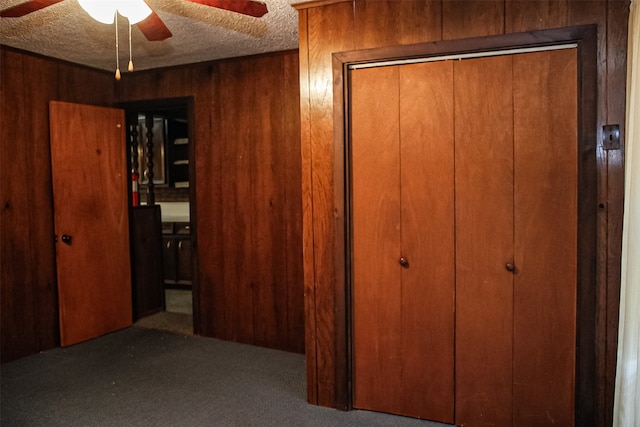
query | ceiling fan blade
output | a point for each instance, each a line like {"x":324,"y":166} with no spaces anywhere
{"x":153,"y":28}
{"x":26,"y":8}
{"x":245,"y":7}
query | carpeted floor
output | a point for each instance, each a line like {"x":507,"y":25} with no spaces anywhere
{"x":146,"y":377}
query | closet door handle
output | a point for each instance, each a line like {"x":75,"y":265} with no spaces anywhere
{"x":404,"y":262}
{"x":510,"y":267}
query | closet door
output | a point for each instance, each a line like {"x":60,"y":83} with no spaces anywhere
{"x":464,"y":195}
{"x":516,"y":239}
{"x":402,"y":186}
{"x":377,"y":292}
{"x":545,"y":241}
{"x":484,"y":239}
{"x":427,"y":228}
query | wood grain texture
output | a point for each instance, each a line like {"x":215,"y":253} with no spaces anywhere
{"x":377,"y":239}
{"x":465,"y":19}
{"x":73,"y":83}
{"x":580,"y":13}
{"x":238,"y":299}
{"x":617,"y":11}
{"x":306,"y":187}
{"x":389,"y":23}
{"x":471,"y":18}
{"x":329,"y":29}
{"x":201,"y":81}
{"x":26,"y":93}
{"x":427,"y":200}
{"x":546,"y":237}
{"x":91,"y":304}
{"x":583,"y":13}
{"x":535,"y":15}
{"x":268,"y":199}
{"x":484,"y":240}
{"x":208,"y":200}
{"x":42,"y":87}
{"x":19,"y":336}
{"x":292,"y":176}
{"x":246,"y":145}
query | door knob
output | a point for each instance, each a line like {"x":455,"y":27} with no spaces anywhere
{"x":510,"y":267}
{"x":404,"y":262}
{"x":66,"y":239}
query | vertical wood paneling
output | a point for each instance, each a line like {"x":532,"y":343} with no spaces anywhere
{"x":461,"y":19}
{"x":329,"y":30}
{"x":29,"y":295}
{"x":208,"y":201}
{"x":85,"y":85}
{"x":535,"y":15}
{"x":42,"y":78}
{"x":250,"y":280}
{"x":235,"y":129}
{"x":306,"y":186}
{"x":19,"y":336}
{"x":384,"y":23}
{"x":268,"y":197}
{"x":21,"y":330}
{"x":293,"y":205}
{"x":471,"y":18}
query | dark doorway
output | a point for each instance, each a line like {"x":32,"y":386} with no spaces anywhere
{"x":160,"y":143}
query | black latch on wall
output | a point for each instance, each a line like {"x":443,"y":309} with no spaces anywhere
{"x":611,"y":137}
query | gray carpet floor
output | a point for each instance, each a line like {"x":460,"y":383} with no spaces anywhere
{"x":146,"y":377}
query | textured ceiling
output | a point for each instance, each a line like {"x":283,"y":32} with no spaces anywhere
{"x":200,"y":33}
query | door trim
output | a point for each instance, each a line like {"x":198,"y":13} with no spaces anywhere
{"x":591,"y":335}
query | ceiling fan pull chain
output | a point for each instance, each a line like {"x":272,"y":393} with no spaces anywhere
{"x":130,"y":68}
{"x":117,"y":58}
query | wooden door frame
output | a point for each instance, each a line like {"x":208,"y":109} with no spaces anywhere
{"x":590,"y":345}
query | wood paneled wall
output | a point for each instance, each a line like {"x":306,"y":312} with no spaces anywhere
{"x":246,"y":192}
{"x":29,"y":319}
{"x":328,"y":26}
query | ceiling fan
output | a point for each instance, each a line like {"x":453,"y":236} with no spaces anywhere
{"x":152,"y":27}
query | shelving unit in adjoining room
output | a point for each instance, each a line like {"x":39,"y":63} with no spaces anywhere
{"x":178,"y":147}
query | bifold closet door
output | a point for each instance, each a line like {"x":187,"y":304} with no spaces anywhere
{"x":545,"y":240}
{"x":516,"y":239}
{"x":484,"y":239}
{"x":402,"y":222}
{"x":464,"y":215}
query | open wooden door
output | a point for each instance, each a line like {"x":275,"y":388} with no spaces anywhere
{"x":88,"y":162}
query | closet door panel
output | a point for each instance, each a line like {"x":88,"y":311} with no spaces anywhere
{"x":427,"y":166}
{"x":376,"y":239}
{"x":484,"y":239}
{"x":545,"y":191}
